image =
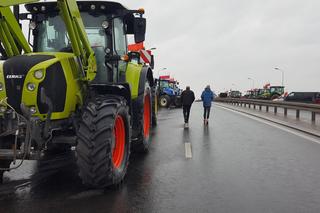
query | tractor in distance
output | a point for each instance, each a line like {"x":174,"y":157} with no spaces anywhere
{"x":169,"y":92}
{"x":76,"y":87}
{"x":271,"y":92}
{"x":234,"y":94}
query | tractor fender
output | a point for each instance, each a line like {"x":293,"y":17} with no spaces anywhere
{"x":145,"y":75}
{"x":121,"y":89}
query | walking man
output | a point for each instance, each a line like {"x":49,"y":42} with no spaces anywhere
{"x":187,"y":98}
{"x":207,"y":97}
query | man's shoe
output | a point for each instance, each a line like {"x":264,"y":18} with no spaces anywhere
{"x":186,"y":125}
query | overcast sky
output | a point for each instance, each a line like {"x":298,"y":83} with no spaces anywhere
{"x":223,"y":42}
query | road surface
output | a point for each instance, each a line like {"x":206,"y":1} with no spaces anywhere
{"x":236,"y":164}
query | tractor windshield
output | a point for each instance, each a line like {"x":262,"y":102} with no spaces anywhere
{"x":279,"y":90}
{"x":52,"y":36}
{"x":164,"y":84}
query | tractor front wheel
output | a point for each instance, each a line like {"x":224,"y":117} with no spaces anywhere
{"x":154,"y":107}
{"x":103,"y":141}
{"x":142,"y":120}
{"x":164,"y":101}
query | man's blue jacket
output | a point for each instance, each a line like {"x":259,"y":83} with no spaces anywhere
{"x":207,"y":97}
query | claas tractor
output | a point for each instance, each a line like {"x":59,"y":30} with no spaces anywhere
{"x":76,"y":86}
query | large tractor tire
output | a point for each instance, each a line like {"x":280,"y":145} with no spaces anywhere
{"x":103,"y":141}
{"x":164,"y":101}
{"x":142,"y":120}
{"x":5,"y":143}
{"x":154,"y":107}
{"x":177,"y":102}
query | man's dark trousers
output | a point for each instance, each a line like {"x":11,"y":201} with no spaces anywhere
{"x":206,"y":112}
{"x":186,"y":112}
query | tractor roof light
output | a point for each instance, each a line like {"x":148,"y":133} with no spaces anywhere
{"x":93,"y":7}
{"x":38,"y":74}
{"x":102,"y":7}
{"x":141,"y":11}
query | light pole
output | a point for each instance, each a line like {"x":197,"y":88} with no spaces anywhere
{"x":164,"y":68}
{"x":252,"y":82}
{"x":282,"y":79}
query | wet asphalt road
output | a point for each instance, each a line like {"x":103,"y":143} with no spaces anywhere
{"x":238,"y":165}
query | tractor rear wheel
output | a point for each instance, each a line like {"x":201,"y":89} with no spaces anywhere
{"x":142,"y":120}
{"x":103,"y":141}
{"x":164,"y":101}
{"x":177,"y":102}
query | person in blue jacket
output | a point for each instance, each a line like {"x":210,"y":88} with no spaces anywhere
{"x":207,"y":97}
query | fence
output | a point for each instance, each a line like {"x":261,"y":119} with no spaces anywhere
{"x":314,"y":109}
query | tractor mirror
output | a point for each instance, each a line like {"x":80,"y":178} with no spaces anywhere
{"x":139,"y":29}
{"x":152,"y":62}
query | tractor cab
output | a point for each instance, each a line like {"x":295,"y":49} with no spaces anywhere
{"x":277,"y":90}
{"x":106,"y":24}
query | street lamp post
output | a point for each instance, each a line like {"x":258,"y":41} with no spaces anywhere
{"x":252,"y":82}
{"x":282,"y":78}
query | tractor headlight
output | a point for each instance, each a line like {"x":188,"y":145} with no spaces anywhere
{"x":31,"y":86}
{"x":38,"y":74}
{"x":32,"y":25}
{"x":43,"y":8}
{"x":1,"y":86}
{"x":33,"y":110}
{"x":105,"y":24}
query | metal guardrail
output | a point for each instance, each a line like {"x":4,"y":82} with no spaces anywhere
{"x":312,"y":108}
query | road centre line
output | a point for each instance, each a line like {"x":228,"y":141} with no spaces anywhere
{"x":286,"y":129}
{"x":188,"y":150}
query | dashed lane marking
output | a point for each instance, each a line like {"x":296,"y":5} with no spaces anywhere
{"x":188,"y":150}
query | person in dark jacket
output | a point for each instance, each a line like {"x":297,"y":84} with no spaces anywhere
{"x":187,"y":98}
{"x":207,"y":97}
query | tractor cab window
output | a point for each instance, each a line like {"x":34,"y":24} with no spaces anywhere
{"x":51,"y":35}
{"x":120,"y":41}
{"x":120,"y":48}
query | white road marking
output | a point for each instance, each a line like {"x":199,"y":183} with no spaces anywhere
{"x":188,"y":150}
{"x":287,"y":129}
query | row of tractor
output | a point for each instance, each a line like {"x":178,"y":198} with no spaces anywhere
{"x":266,"y":93}
{"x":71,"y":82}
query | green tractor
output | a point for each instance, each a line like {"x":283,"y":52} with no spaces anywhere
{"x":77,"y":87}
{"x":271,"y":93}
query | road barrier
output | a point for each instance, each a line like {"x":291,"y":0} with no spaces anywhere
{"x":312,"y":108}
